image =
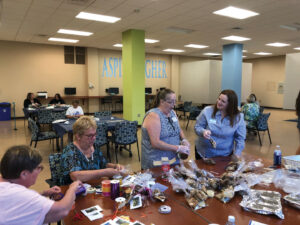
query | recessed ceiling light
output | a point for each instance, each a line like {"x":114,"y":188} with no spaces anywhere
{"x":262,"y":53}
{"x":244,"y":56}
{"x":118,"y":45}
{"x":151,"y":41}
{"x":278,"y":44}
{"x":195,"y":46}
{"x":173,"y":50}
{"x":211,"y":53}
{"x":74,"y":32}
{"x":97,"y":17}
{"x":63,"y":40}
{"x":298,"y":48}
{"x":245,"y":50}
{"x":236,"y":38}
{"x":236,"y":13}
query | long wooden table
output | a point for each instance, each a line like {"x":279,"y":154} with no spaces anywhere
{"x":216,"y":211}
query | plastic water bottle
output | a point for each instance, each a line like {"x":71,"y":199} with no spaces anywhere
{"x":231,"y":220}
{"x":277,"y":156}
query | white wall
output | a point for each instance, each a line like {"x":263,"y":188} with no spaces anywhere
{"x":292,"y":80}
{"x":194,"y":80}
{"x":200,"y":81}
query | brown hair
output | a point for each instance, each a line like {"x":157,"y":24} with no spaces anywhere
{"x":298,"y":105}
{"x":17,"y":159}
{"x":82,"y":124}
{"x":161,"y":95}
{"x":232,"y":108}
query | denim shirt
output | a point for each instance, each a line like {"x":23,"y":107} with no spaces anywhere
{"x":228,"y":139}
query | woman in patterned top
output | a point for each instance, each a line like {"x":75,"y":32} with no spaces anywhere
{"x":161,"y":133}
{"x":80,"y":160}
{"x":251,"y":111}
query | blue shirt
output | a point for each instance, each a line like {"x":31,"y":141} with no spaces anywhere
{"x":72,"y":159}
{"x":228,"y":139}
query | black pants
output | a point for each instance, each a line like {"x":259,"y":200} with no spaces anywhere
{"x":197,"y":156}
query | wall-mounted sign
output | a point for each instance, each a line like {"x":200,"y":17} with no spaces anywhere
{"x":154,"y":69}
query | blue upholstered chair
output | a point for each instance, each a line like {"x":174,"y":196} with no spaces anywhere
{"x":125,"y":134}
{"x":102,"y":139}
{"x":37,"y":135}
{"x":262,"y":125}
{"x":102,"y":114}
{"x":194,"y":112}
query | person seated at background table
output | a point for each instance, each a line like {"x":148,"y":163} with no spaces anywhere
{"x":75,"y":110}
{"x":161,"y":132}
{"x":31,"y":101}
{"x":80,"y":160}
{"x":20,"y":167}
{"x":224,"y":123}
{"x":251,"y":111}
{"x":57,"y":100}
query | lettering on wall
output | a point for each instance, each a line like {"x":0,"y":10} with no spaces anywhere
{"x":154,"y":69}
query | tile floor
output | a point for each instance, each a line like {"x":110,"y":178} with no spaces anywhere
{"x":283,"y":133}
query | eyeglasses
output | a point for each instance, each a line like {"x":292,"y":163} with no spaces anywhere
{"x":90,"y":135}
{"x":171,"y":122}
{"x":40,"y":167}
{"x":171,"y":102}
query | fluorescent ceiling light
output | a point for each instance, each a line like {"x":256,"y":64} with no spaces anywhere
{"x":97,"y":17}
{"x":298,"y":48}
{"x":195,"y":46}
{"x":211,"y":53}
{"x":118,"y":45}
{"x":74,"y":32}
{"x":151,"y":41}
{"x":63,"y":40}
{"x":236,"y":13}
{"x":236,"y":38}
{"x":278,"y":44}
{"x":173,"y":50}
{"x":262,"y":53}
{"x":244,"y":56}
{"x":245,"y":50}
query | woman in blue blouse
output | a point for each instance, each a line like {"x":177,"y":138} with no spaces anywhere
{"x":80,"y":160}
{"x":223,"y":123}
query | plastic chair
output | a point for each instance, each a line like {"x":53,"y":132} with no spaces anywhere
{"x":37,"y":135}
{"x":125,"y":134}
{"x":102,"y":139}
{"x":262,"y":125}
{"x":194,"y":112}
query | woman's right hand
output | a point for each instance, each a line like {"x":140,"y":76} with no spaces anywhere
{"x":206,"y":134}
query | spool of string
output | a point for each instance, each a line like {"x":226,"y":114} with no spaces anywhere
{"x":106,"y":188}
{"x":114,"y":189}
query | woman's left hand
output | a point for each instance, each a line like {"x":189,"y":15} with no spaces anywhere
{"x":51,"y":191}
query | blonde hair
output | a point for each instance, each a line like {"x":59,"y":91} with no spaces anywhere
{"x":82,"y":124}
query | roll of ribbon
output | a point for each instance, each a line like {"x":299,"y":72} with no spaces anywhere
{"x":106,"y":188}
{"x":114,"y":189}
{"x":120,"y":202}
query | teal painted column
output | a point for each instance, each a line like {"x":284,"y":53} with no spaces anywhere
{"x":133,"y":64}
{"x":232,"y":68}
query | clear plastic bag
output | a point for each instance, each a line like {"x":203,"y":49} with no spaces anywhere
{"x":288,"y":181}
